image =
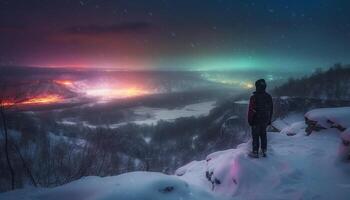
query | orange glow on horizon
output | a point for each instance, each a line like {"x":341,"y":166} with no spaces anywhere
{"x":7,"y":103}
{"x":43,"y":100}
{"x":113,"y":93}
{"x":49,"y":99}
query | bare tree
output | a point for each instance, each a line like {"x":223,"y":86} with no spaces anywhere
{"x":25,"y":165}
{"x":4,"y":125}
{"x":3,"y":106}
{"x":9,"y":104}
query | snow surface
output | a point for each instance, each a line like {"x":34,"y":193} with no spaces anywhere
{"x":297,"y":167}
{"x":294,"y":128}
{"x":129,"y":186}
{"x":244,"y":102}
{"x":284,"y":97}
{"x":75,"y":123}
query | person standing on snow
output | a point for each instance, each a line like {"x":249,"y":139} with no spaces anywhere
{"x":259,"y":117}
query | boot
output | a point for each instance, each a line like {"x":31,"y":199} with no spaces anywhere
{"x":263,"y":152}
{"x":254,"y":154}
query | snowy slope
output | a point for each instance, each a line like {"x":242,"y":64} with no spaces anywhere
{"x":297,"y":167}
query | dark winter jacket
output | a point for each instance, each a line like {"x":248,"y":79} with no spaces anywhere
{"x":260,"y":108}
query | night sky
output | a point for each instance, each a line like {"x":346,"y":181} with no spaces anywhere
{"x":271,"y":35}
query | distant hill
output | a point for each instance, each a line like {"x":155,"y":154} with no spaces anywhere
{"x":333,"y":83}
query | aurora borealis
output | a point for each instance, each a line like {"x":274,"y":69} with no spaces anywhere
{"x":269,"y":35}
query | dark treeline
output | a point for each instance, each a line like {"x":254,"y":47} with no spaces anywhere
{"x":333,"y":83}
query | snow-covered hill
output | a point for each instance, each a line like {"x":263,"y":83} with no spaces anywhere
{"x":129,"y":186}
{"x":297,"y":167}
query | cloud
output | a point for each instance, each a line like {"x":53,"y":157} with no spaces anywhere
{"x":126,"y":27}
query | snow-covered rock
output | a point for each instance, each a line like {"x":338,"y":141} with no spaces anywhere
{"x":326,"y":116}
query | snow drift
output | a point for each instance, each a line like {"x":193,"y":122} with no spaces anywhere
{"x":129,"y":186}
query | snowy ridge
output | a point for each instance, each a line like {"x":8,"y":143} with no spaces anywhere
{"x":297,"y":167}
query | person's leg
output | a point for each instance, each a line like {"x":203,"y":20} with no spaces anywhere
{"x":263,"y":137}
{"x":255,"y":136}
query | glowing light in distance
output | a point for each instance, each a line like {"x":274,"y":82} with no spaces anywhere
{"x":64,"y":82}
{"x":248,"y":85}
{"x":115,"y":93}
{"x":43,"y":100}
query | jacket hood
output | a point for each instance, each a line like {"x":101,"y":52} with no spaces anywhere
{"x":260,"y":86}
